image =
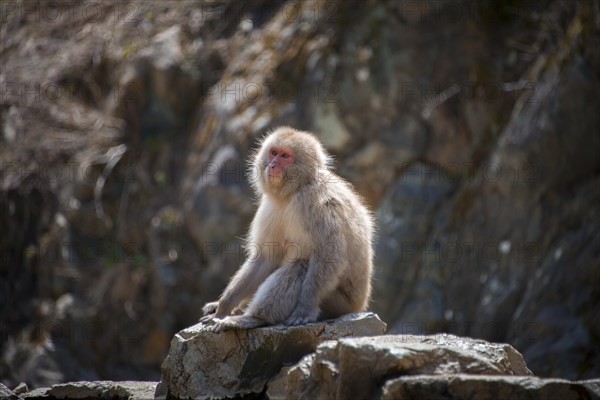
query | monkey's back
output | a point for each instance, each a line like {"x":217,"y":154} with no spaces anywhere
{"x":340,"y":206}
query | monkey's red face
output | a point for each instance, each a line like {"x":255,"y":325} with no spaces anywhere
{"x":279,"y":159}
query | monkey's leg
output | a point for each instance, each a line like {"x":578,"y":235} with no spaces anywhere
{"x":273,"y":302}
{"x":276,"y":298}
{"x":322,"y":278}
{"x":338,"y":303}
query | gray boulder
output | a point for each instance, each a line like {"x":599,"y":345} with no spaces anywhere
{"x":482,"y":387}
{"x":6,"y":393}
{"x":356,"y":367}
{"x":130,"y":390}
{"x":205,"y":365}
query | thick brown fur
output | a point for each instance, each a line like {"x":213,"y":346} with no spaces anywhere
{"x":309,"y":246}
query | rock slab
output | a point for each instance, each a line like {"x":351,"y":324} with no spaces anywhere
{"x":484,"y":387}
{"x":6,"y":393}
{"x":126,"y":390}
{"x":206,"y":365}
{"x":356,"y":367}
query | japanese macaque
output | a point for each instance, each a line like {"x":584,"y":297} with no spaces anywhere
{"x":309,"y":246}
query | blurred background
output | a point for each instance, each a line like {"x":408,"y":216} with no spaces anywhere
{"x":471,"y":128}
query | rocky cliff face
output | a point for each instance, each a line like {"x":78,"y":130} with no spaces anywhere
{"x":471,"y":128}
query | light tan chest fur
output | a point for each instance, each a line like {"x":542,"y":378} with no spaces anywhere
{"x":279,"y":229}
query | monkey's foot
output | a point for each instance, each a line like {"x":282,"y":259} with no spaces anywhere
{"x":207,"y":318}
{"x":235,"y":322}
{"x":219,"y":325}
{"x":302,"y":317}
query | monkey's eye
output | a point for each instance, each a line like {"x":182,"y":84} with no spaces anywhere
{"x":273,"y":152}
{"x":285,"y":155}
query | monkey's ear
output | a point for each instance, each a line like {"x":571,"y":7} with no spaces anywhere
{"x":254,"y":170}
{"x":260,"y":142}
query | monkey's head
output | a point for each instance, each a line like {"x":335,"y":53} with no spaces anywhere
{"x":287,"y":160}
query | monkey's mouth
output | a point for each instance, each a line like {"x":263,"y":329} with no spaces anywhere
{"x":274,"y":180}
{"x":274,"y":173}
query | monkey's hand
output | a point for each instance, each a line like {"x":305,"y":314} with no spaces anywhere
{"x":209,"y":311}
{"x":210,"y":308}
{"x":303,"y":315}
